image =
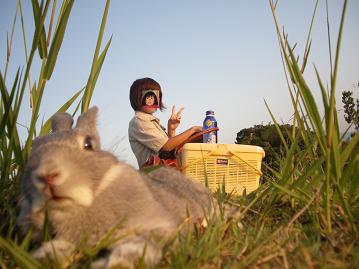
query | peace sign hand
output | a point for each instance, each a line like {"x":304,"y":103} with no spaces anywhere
{"x":175,"y":119}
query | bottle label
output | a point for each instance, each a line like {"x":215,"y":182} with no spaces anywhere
{"x":210,"y":138}
{"x":208,"y":123}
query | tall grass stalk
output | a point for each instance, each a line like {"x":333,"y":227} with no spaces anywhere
{"x":330,"y":158}
{"x":13,"y":152}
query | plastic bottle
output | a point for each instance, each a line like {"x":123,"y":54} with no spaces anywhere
{"x":210,"y":122}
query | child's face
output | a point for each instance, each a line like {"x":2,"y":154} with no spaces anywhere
{"x":150,"y":97}
{"x":149,"y":103}
{"x":150,"y":100}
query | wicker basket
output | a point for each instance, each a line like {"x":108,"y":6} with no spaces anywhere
{"x":236,"y":167}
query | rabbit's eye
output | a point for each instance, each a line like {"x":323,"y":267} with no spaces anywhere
{"x":88,"y":143}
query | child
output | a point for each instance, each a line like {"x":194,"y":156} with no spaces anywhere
{"x":147,"y":136}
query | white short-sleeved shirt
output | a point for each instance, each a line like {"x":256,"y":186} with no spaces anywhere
{"x":146,"y":136}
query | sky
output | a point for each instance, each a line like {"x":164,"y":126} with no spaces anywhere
{"x":207,"y":55}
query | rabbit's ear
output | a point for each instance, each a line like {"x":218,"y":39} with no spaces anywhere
{"x":87,"y":122}
{"x":88,"y":119}
{"x":61,"y":121}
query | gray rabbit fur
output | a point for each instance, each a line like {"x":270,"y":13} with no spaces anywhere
{"x":85,"y":192}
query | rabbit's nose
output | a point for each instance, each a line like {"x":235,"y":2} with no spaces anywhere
{"x":50,"y":178}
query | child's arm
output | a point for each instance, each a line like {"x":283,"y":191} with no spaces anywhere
{"x":177,"y":140}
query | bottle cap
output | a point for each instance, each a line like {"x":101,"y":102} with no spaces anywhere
{"x":209,"y":112}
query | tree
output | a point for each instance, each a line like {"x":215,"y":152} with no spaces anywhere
{"x":351,"y":109}
{"x":267,"y":137}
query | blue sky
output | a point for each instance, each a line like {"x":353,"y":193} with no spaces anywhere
{"x":218,"y":55}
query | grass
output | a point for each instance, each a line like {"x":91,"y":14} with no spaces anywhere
{"x":304,"y":215}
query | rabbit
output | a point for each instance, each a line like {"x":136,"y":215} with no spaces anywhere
{"x":83,"y":193}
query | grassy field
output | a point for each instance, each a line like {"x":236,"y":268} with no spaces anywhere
{"x":305,"y":214}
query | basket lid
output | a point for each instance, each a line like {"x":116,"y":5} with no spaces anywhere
{"x":224,"y":147}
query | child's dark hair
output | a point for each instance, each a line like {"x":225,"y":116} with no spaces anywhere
{"x":140,"y":85}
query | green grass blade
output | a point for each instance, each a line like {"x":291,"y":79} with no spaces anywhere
{"x":45,"y":129}
{"x":35,"y":41}
{"x":11,"y":145}
{"x":34,"y":117}
{"x":305,"y":92}
{"x":24,"y":43}
{"x":100,"y":61}
{"x":277,"y":127}
{"x":37,"y":16}
{"x":351,"y":178}
{"x":335,"y":155}
{"x":90,"y":82}
{"x":308,"y":101}
{"x":33,"y":94}
{"x":21,"y":257}
{"x":296,"y":75}
{"x":339,"y":40}
{"x":7,"y":100}
{"x":12,"y":119}
{"x":305,"y":59}
{"x":9,"y":43}
{"x":349,"y":148}
{"x":308,"y":43}
{"x":97,"y":70}
{"x":57,"y":40}
{"x":324,"y":93}
{"x":332,"y":111}
{"x":311,"y":175}
{"x":288,"y":165}
{"x":51,"y":22}
{"x":287,"y":191}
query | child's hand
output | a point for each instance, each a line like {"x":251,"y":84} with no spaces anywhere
{"x":197,"y":129}
{"x":175,"y":119}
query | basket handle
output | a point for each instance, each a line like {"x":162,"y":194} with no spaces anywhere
{"x":195,"y":136}
{"x":251,"y":165}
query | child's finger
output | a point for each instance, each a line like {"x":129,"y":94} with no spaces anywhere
{"x":173,"y":110}
{"x":179,"y":112}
